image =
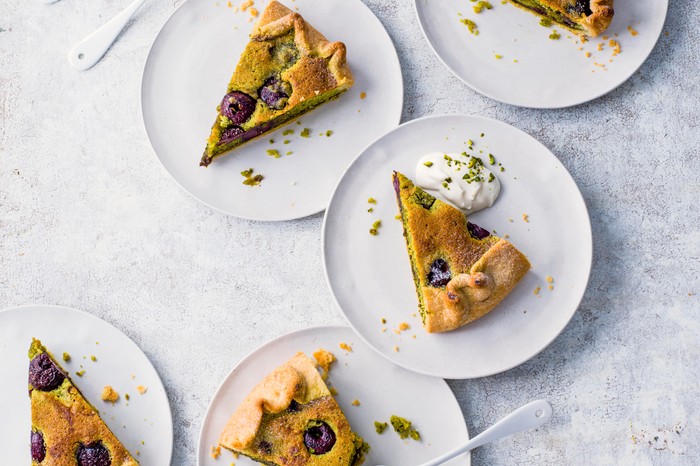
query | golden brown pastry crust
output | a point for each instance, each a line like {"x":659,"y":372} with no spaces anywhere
{"x":483,"y":272}
{"x":297,"y":379}
{"x":601,"y":16}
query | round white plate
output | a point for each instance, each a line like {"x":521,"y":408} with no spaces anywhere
{"x":185,"y":77}
{"x":144,"y":425}
{"x":382,"y":388}
{"x":548,"y":73}
{"x":370,"y":276}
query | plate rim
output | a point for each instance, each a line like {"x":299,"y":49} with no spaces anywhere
{"x":284,"y":218}
{"x":88,"y":315}
{"x":489,"y":95}
{"x":589,"y":256}
{"x":313,"y":328}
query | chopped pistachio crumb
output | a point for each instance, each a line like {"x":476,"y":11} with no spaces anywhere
{"x":346,"y":347}
{"x":498,"y":56}
{"x":471,"y":26}
{"x":305,"y":133}
{"x":555,"y":35}
{"x":127,"y":396}
{"x":66,"y":357}
{"x":372,"y":200}
{"x":247,"y":172}
{"x":272,"y":141}
{"x":470,"y":142}
{"x":374,"y":231}
{"x":286,"y":141}
{"x":503,"y":169}
{"x":273,"y":153}
{"x":370,"y":210}
{"x":380,"y":427}
{"x":253,"y":181}
{"x":546,"y":22}
{"x":289,"y":152}
{"x":481,"y":135}
{"x":481,"y":6}
{"x":80,"y":373}
{"x":404,"y":428}
{"x":537,"y":291}
{"x":329,"y":133}
{"x":383,"y":320}
{"x":491,"y":177}
{"x":355,"y":402}
{"x":428,"y":164}
{"x":93,"y":358}
{"x":397,"y":217}
{"x":549,"y":279}
{"x":492,"y":159}
{"x":287,"y":132}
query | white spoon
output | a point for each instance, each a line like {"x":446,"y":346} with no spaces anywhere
{"x":47,"y":2}
{"x":526,"y":417}
{"x":88,"y":51}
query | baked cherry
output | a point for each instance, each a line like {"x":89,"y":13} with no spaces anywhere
{"x":319,"y":438}
{"x":439,"y":274}
{"x":275,"y":93}
{"x":229,"y":134}
{"x":581,"y":7}
{"x":38,"y":446}
{"x":93,"y":454}
{"x":44,"y":375}
{"x":476,"y":231}
{"x":237,"y":107}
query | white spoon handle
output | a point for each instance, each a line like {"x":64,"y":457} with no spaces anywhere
{"x":88,"y":51}
{"x":526,"y":417}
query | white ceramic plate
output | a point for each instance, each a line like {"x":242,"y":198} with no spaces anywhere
{"x":145,"y":424}
{"x":185,"y":77}
{"x":370,"y":276}
{"x":382,"y":388}
{"x":548,"y":73}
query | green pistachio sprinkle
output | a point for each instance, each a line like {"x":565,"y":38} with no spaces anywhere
{"x":273,"y":153}
{"x":555,"y":35}
{"x":253,"y":181}
{"x":287,"y":132}
{"x":428,"y":164}
{"x":272,"y":141}
{"x":546,"y":22}
{"x":491,"y":177}
{"x":329,"y":133}
{"x":492,"y":159}
{"x":247,"y":172}
{"x":289,"y":152}
{"x":305,"y":133}
{"x":371,"y":200}
{"x":471,"y":26}
{"x":80,"y":373}
{"x":286,"y":141}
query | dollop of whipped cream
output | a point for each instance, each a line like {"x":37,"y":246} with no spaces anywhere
{"x":462,"y":179}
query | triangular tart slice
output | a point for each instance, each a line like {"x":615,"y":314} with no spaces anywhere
{"x":589,"y":17}
{"x":461,"y":271}
{"x":291,"y":418}
{"x":287,"y":69}
{"x":66,"y":429}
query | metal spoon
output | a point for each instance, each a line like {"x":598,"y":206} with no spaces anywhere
{"x":90,"y":50}
{"x":526,"y":417}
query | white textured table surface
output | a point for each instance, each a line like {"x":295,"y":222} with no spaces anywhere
{"x":89,"y":219}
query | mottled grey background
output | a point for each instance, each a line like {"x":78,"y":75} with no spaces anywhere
{"x":89,"y":219}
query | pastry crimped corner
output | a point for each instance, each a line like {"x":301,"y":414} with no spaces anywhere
{"x":290,"y":417}
{"x":66,"y":429}
{"x":461,"y":271}
{"x":288,"y":68}
{"x":589,"y":17}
